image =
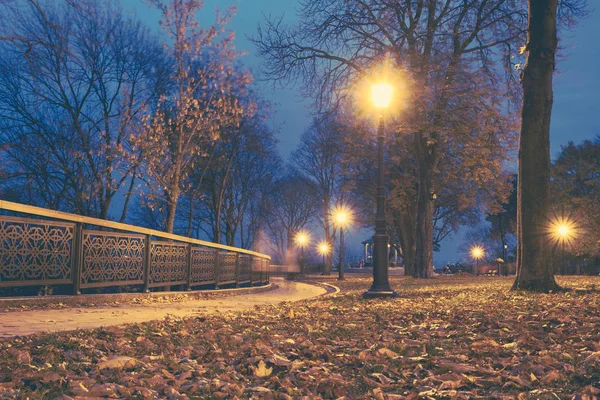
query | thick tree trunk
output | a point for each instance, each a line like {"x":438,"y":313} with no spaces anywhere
{"x":407,"y":241}
{"x":534,"y":267}
{"x":423,"y":267}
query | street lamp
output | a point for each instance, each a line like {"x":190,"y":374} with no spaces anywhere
{"x":323,"y":248}
{"x":341,"y":217}
{"x":381,"y":94}
{"x":302,"y":240}
{"x":477,"y":253}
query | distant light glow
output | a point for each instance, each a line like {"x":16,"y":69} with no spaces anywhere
{"x":477,"y":252}
{"x":562,"y":230}
{"x":324,"y":248}
{"x":381,"y":94}
{"x":302,"y":238}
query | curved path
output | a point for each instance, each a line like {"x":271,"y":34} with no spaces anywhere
{"x":20,"y":323}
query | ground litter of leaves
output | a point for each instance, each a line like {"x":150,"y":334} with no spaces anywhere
{"x":451,"y":337}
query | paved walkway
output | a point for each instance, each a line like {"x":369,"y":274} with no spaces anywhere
{"x":20,"y":323}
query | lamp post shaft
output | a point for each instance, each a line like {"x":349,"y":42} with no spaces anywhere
{"x":341,"y":269}
{"x":381,"y":285}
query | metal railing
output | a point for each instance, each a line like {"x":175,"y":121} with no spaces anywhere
{"x":63,"y":249}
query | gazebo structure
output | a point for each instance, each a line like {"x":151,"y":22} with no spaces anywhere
{"x":394,"y":250}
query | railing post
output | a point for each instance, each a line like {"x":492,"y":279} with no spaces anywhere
{"x":237,"y":270}
{"x":78,"y":258}
{"x":217,"y":268}
{"x":251,"y":269}
{"x":147,"y":260}
{"x":189,"y":267}
{"x":267,"y":264}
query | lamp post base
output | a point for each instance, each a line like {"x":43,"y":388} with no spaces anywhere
{"x":378,"y":294}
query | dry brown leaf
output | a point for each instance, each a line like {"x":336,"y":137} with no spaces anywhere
{"x":384,"y":351}
{"x":261,"y":370}
{"x":119,"y":362}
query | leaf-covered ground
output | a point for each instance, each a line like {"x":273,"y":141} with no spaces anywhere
{"x":451,"y":337}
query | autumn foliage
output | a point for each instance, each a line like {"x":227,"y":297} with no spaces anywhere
{"x":451,"y":337}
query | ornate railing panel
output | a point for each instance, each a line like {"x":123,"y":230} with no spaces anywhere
{"x":260,"y":270}
{"x":58,"y":250}
{"x":35,"y":252}
{"x":245,"y":268}
{"x":112,"y":258}
{"x":227,"y":267}
{"x":203,"y":266}
{"x":168,"y":263}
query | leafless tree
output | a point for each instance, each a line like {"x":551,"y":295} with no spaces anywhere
{"x":294,"y":204}
{"x":320,"y":157}
{"x":74,"y":85}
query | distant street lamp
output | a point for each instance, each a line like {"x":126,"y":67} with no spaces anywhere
{"x":381,"y":94}
{"x":563,"y":231}
{"x":342,"y":218}
{"x":477,"y":253}
{"x":302,"y":240}
{"x":324,"y":249}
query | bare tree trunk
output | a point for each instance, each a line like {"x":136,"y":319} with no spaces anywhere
{"x":407,"y":242}
{"x":423,"y":267}
{"x":534,"y":269}
{"x":328,"y":236}
{"x":128,"y":197}
{"x":172,"y":199}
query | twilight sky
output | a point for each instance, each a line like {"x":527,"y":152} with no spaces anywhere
{"x":576,"y":93}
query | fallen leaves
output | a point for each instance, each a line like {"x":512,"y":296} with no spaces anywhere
{"x":441,"y":339}
{"x":118,"y":362}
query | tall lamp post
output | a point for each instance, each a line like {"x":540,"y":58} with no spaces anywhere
{"x":302,"y":240}
{"x":477,"y":253}
{"x":341,"y":217}
{"x":381,"y":94}
{"x":324,"y":248}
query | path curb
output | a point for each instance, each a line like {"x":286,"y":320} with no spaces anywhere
{"x":331,"y":289}
{"x":65,"y":301}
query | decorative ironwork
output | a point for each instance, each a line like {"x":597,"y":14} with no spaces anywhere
{"x":168,"y":262}
{"x":245,"y":273}
{"x":34,"y":250}
{"x":227,"y":267}
{"x":203,"y":265}
{"x":259,"y":269}
{"x":60,"y":251}
{"x":111,"y":258}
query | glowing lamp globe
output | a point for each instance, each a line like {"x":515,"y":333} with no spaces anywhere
{"x":302,"y":239}
{"x":563,"y":230}
{"x":341,"y":217}
{"x":381,"y":94}
{"x":323,"y":248}
{"x":477,"y":252}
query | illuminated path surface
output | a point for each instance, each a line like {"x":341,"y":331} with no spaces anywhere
{"x":16,"y":323}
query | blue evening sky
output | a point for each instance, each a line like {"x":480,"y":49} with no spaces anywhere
{"x":575,"y":115}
